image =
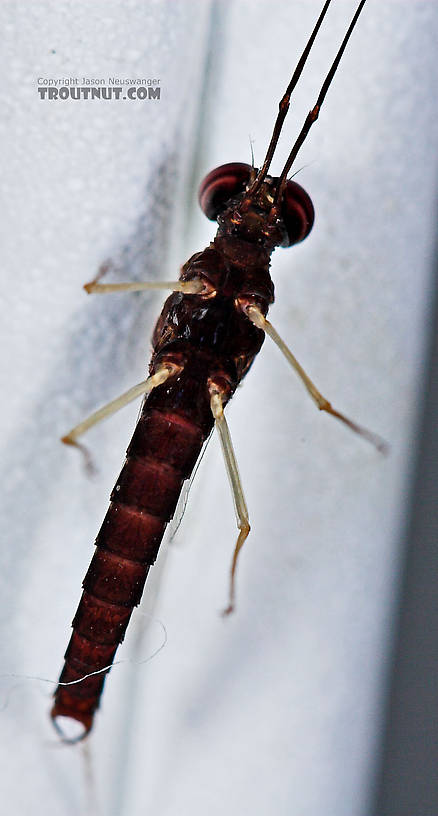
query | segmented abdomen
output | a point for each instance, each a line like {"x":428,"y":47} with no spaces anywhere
{"x":203,"y":339}
{"x":161,"y":455}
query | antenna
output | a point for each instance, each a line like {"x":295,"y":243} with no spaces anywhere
{"x":284,"y":104}
{"x":314,"y":113}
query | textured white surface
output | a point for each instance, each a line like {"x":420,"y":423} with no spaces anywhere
{"x":275,"y":710}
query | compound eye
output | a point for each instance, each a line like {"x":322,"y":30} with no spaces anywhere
{"x":222,"y":184}
{"x":298,"y":213}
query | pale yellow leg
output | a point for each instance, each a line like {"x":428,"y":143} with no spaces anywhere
{"x":110,"y":408}
{"x":236,"y":487}
{"x":256,"y":317}
{"x":191,"y":287}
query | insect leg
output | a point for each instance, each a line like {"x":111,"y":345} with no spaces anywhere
{"x":145,"y":387}
{"x":236,"y":485}
{"x":191,"y":287}
{"x":323,"y":404}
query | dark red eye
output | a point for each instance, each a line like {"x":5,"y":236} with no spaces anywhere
{"x":220,"y":185}
{"x":298,"y":213}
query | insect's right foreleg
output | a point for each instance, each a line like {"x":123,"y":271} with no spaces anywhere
{"x":256,"y":317}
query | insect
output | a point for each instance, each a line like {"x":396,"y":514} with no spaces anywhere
{"x":210,"y":330}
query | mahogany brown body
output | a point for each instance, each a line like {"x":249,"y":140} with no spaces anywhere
{"x":207,"y":342}
{"x":209,"y":338}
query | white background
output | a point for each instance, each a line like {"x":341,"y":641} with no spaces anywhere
{"x":277,"y":709}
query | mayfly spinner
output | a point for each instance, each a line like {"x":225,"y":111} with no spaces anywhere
{"x":206,"y":338}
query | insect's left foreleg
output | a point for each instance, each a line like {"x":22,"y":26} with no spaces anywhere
{"x":241,"y":509}
{"x":256,"y":317}
{"x":191,"y":287}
